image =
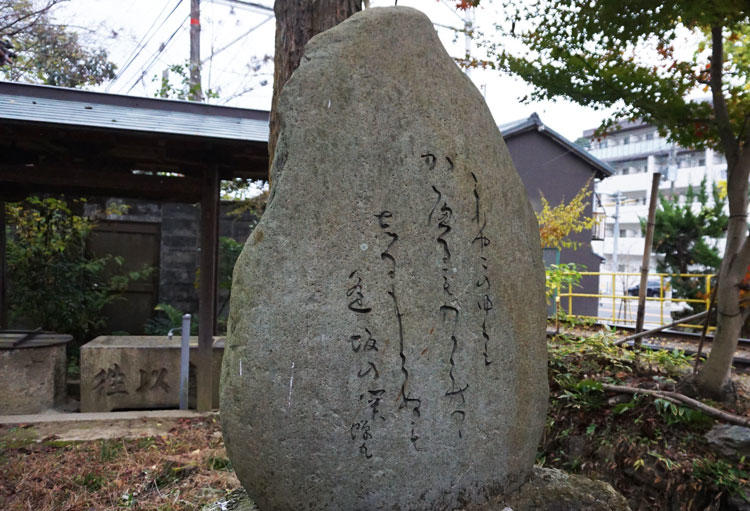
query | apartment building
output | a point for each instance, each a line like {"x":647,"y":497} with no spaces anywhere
{"x":635,"y":152}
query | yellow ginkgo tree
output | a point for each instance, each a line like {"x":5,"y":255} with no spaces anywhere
{"x":557,"y":223}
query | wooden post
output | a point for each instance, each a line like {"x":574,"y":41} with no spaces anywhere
{"x":647,"y":256}
{"x":3,"y":284}
{"x":208,"y":287}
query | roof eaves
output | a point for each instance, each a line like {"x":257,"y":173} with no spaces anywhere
{"x":106,"y":98}
{"x":55,"y":105}
{"x":533,"y":122}
{"x":519,"y":126}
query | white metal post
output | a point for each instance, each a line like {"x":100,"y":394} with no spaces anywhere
{"x":185,"y":362}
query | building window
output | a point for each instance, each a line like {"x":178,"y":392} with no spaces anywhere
{"x":623,"y":233}
{"x":650,"y":136}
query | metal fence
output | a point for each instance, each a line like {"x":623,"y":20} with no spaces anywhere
{"x":617,"y":301}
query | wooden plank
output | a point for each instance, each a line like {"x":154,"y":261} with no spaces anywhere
{"x":128,"y":226}
{"x":95,"y":150}
{"x":208,"y":285}
{"x":75,"y":180}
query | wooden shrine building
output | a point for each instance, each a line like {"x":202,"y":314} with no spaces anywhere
{"x":57,"y":140}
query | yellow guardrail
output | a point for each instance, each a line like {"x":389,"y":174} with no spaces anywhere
{"x":622,"y":304}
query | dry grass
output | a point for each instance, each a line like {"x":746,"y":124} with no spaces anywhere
{"x":182,"y":470}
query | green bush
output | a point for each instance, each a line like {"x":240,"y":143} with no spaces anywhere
{"x":54,"y":282}
{"x":561,"y":276}
{"x":168,"y":318}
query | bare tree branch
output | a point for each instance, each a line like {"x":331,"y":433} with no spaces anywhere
{"x":33,"y":15}
{"x":676,"y":397}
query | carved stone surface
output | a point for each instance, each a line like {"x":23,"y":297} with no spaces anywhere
{"x":386,"y":346}
{"x":138,"y":372}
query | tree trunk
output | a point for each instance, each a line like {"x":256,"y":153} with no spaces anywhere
{"x":297,"y":21}
{"x":713,"y":378}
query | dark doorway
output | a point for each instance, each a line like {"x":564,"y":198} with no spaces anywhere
{"x":137,"y":243}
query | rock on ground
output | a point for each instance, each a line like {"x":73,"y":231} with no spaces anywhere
{"x":731,"y":441}
{"x":554,"y":490}
{"x":547,"y":489}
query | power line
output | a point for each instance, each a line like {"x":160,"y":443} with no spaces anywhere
{"x":162,"y":47}
{"x":449,"y":27}
{"x":249,"y":70}
{"x":244,"y":3}
{"x":141,"y":44}
{"x":236,"y":40}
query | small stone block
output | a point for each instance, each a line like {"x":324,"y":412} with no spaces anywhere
{"x":137,"y":372}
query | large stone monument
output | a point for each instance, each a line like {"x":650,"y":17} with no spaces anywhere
{"x":386,"y":346}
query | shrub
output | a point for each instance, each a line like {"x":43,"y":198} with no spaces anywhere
{"x":54,"y":282}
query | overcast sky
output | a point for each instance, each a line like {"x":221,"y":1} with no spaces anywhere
{"x":236,"y":41}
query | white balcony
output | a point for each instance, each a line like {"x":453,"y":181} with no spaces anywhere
{"x":631,"y":214}
{"x":694,"y":175}
{"x":641,"y":182}
{"x":622,"y":151}
{"x":625,"y":246}
{"x":625,"y":184}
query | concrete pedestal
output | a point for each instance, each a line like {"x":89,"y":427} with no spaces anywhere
{"x":139,"y":372}
{"x":32,"y":373}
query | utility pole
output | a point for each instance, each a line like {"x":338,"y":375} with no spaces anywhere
{"x":672,"y":170}
{"x":195,"y":51}
{"x":468,"y":27}
{"x":616,"y":233}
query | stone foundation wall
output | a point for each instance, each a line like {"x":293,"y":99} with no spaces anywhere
{"x":180,"y":245}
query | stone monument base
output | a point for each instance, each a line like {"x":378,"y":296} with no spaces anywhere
{"x":138,"y":372}
{"x":547,"y":489}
